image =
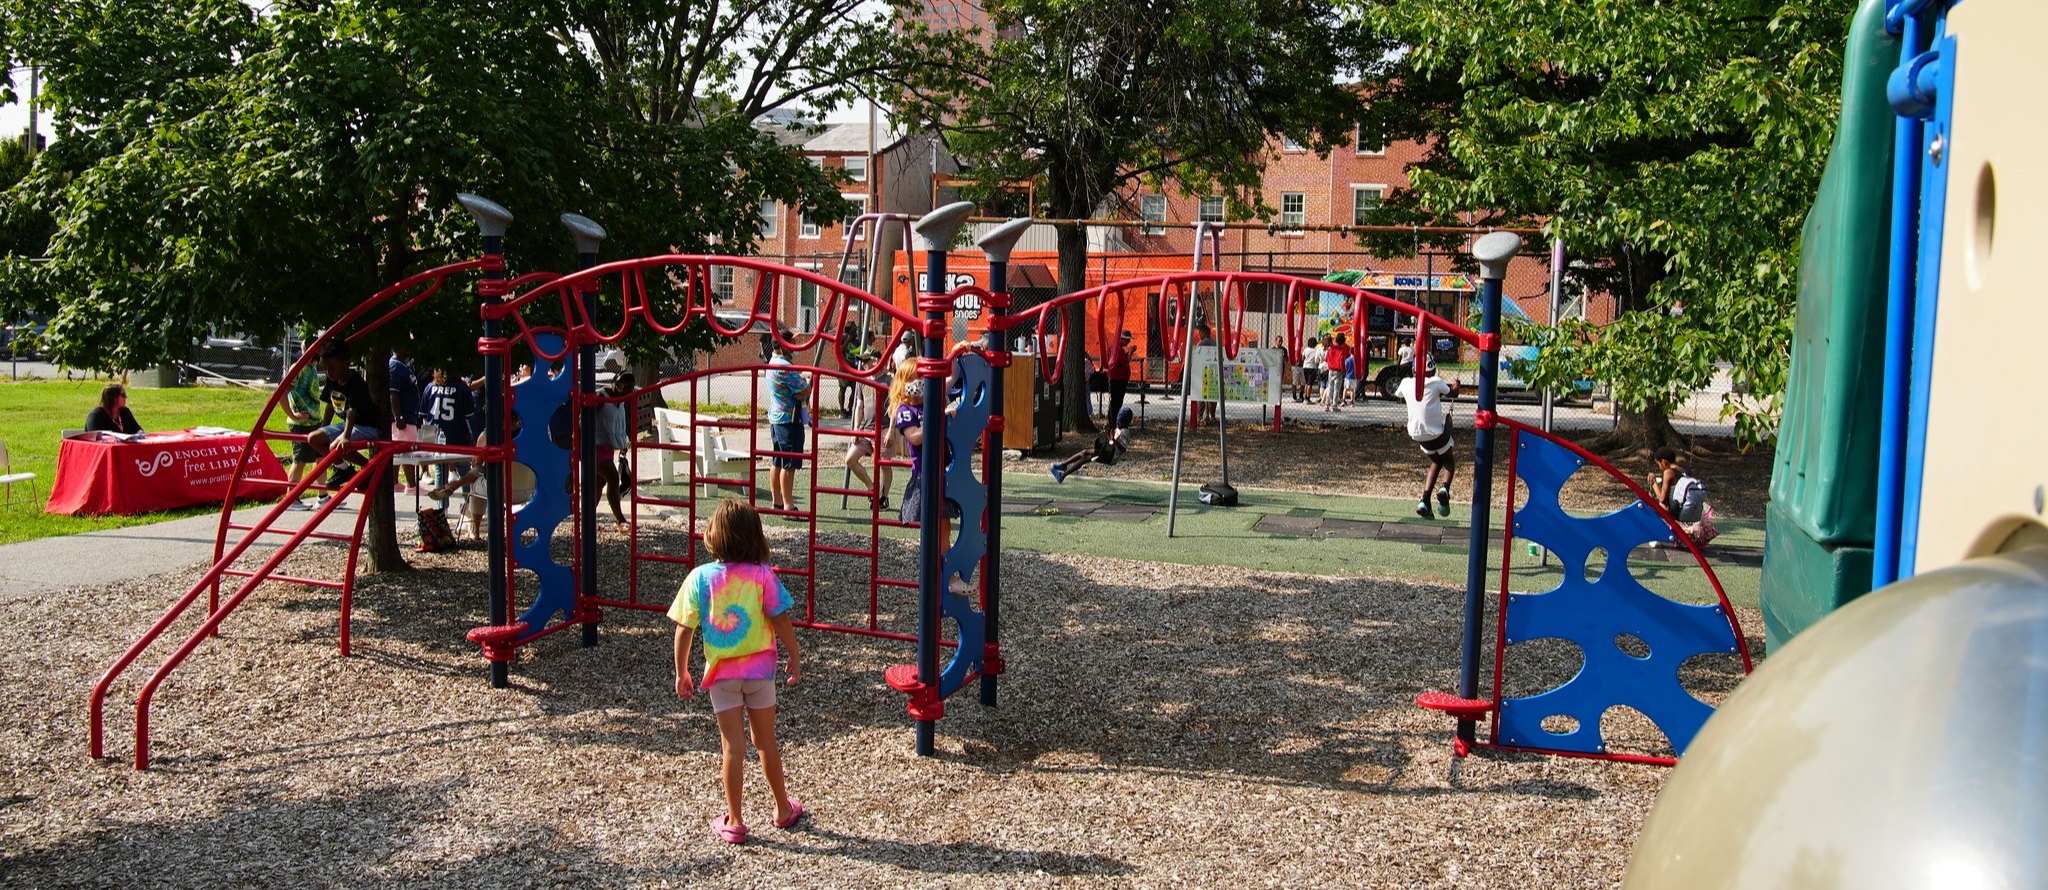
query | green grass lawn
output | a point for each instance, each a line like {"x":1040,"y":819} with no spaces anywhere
{"x":34,"y":414}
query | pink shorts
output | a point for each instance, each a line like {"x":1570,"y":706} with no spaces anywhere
{"x":729,"y":694}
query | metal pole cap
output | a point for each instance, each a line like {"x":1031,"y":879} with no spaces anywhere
{"x":1493,"y":251}
{"x":588,"y":234}
{"x":491,"y":217}
{"x":997,"y":243}
{"x":936,"y":230}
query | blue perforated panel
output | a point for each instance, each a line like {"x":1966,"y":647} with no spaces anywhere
{"x":1592,"y":614}
{"x":965,"y":487}
{"x":534,"y":401}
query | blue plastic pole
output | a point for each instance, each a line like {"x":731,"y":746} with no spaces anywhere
{"x":1898,"y":332}
{"x":1493,"y":252}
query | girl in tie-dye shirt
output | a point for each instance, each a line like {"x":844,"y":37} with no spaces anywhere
{"x":741,"y":608}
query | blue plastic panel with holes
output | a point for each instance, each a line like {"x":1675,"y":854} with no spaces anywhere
{"x":535,"y":401}
{"x":964,"y":487}
{"x":1595,"y":613}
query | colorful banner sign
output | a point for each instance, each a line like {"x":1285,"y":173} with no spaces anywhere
{"x":1415,"y":281}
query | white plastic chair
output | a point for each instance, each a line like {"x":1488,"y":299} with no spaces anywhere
{"x":8,"y":477}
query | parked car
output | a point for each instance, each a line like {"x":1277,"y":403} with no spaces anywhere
{"x":236,"y":358}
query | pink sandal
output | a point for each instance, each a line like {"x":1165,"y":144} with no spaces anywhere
{"x":728,"y":832}
{"x":796,"y":811}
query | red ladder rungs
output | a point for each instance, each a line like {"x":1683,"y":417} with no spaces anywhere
{"x":273,"y":576}
{"x":324,"y":536}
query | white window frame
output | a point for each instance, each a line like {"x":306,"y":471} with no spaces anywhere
{"x":1299,"y":214}
{"x":808,"y":228}
{"x":857,"y":168}
{"x":1358,"y":142}
{"x":1289,"y":143}
{"x":846,"y":225}
{"x":722,"y":284}
{"x":1203,"y":213}
{"x":1152,"y":209}
{"x":1359,"y":189}
{"x":770,"y":212}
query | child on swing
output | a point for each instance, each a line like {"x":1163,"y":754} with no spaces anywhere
{"x":742,"y":609}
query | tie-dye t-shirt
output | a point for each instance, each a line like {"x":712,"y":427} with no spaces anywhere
{"x":730,"y":603}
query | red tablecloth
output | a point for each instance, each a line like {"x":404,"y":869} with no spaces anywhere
{"x":159,"y":472}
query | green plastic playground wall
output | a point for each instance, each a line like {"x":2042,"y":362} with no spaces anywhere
{"x":1823,"y":483}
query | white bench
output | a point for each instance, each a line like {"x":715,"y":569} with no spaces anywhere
{"x":714,"y":456}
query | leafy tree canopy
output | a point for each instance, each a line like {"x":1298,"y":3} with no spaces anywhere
{"x":1675,"y":146}
{"x":1095,"y":97}
{"x":216,"y":165}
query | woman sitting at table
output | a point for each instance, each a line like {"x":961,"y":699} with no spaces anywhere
{"x":112,"y":415}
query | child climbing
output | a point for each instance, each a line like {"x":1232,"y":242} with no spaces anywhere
{"x":1108,"y":447}
{"x":1430,"y":426}
{"x":742,"y":609}
{"x":861,"y":449}
{"x":1684,"y":495}
{"x":908,"y":410}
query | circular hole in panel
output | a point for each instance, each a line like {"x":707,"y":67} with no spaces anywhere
{"x":561,"y":427}
{"x":1596,"y":563}
{"x":1983,"y":226}
{"x":1625,"y":730}
{"x":1559,"y":724}
{"x":1711,"y":676}
{"x":1532,"y":667}
{"x":1632,"y":646}
{"x":527,"y":537}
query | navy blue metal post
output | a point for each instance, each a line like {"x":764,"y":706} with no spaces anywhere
{"x":936,"y":230}
{"x":491,"y":220}
{"x":1493,"y":252}
{"x":995,"y":247}
{"x":589,"y":236}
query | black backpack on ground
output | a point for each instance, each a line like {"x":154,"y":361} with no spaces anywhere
{"x":1219,"y":494}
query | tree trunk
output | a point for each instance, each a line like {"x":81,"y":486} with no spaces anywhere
{"x":1073,"y":246}
{"x":380,"y":529}
{"x":1639,"y":434}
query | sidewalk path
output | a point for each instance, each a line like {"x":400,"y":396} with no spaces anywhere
{"x":47,"y":565}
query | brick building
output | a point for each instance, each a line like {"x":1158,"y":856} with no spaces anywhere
{"x":881,"y":172}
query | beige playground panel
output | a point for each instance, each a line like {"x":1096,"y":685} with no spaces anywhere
{"x":1987,"y":442}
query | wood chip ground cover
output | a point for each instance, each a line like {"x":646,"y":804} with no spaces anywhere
{"x":1160,"y":726}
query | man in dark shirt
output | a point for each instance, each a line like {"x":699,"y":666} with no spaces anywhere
{"x":347,"y":397}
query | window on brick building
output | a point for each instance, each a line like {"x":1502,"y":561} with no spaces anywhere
{"x":860,"y":206}
{"x":1364,"y":200}
{"x":1152,"y":208}
{"x":1289,"y":143}
{"x":806,"y":227}
{"x":1367,"y":143}
{"x":767,"y":216}
{"x":1211,"y":209}
{"x":1293,"y":208}
{"x":722,"y":283}
{"x":857,"y":168}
